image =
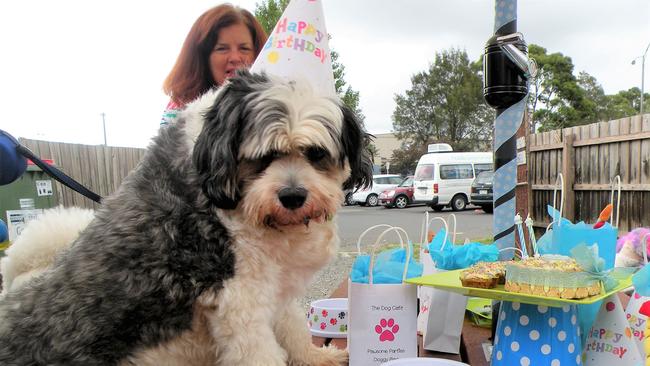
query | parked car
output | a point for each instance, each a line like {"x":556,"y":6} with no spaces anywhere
{"x":400,"y":196}
{"x":348,"y":197}
{"x":380,"y":182}
{"x":482,"y":191}
{"x":443,"y":178}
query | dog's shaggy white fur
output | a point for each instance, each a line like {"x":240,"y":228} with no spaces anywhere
{"x":200,"y":256}
{"x":40,"y":242}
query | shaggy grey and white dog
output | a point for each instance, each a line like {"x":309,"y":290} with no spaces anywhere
{"x":199,"y":256}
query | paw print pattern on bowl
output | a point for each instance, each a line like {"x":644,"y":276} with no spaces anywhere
{"x":386,"y":330}
{"x":328,"y":317}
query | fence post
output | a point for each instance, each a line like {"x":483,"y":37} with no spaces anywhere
{"x":569,"y":174}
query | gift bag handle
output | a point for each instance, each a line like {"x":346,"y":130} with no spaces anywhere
{"x":615,"y":182}
{"x":446,"y":229}
{"x":559,"y":180}
{"x":424,"y":228}
{"x":401,"y":240}
{"x":521,"y":253}
{"x":374,"y":250}
{"x":453,"y":237}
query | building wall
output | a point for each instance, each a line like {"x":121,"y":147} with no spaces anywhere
{"x":385,"y":144}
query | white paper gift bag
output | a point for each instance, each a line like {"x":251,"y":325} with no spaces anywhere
{"x":382,"y":324}
{"x":443,"y":320}
{"x":425,"y":294}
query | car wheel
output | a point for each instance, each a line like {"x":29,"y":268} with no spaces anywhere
{"x":372,"y":200}
{"x":488,"y":208}
{"x":458,"y":203}
{"x":401,"y":201}
{"x":437,"y":208}
{"x":348,"y":199}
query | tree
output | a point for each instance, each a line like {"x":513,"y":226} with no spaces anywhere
{"x":564,"y":101}
{"x":559,"y":99}
{"x":269,"y":12}
{"x":404,"y":160}
{"x":445,"y":104}
{"x":372,"y":151}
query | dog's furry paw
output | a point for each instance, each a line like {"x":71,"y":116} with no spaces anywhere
{"x":325,"y":356}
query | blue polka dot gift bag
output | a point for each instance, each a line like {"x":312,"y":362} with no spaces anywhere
{"x":537,"y":335}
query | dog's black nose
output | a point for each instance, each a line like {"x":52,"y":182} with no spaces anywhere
{"x":292,"y":198}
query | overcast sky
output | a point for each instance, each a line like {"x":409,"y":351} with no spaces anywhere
{"x":63,"y":62}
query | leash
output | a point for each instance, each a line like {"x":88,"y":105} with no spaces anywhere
{"x":17,"y":163}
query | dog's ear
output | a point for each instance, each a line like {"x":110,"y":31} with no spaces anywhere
{"x":355,"y":140}
{"x":216,"y":150}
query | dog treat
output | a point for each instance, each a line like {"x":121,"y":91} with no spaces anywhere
{"x":483,"y":275}
{"x":551,"y":276}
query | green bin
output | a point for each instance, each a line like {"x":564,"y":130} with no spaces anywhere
{"x":25,"y":198}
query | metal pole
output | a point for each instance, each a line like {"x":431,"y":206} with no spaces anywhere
{"x":642,"y":77}
{"x":104,"y":126}
{"x":505,"y":89}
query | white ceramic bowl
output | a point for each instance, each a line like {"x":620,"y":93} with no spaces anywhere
{"x":328,"y":318}
{"x":423,"y":362}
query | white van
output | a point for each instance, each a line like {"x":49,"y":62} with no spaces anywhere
{"x":445,"y":178}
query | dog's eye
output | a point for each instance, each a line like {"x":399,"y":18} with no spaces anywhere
{"x":316,"y":154}
{"x":267,"y":159}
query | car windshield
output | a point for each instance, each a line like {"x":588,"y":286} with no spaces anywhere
{"x":408,"y":182}
{"x":424,"y":172}
{"x":485,"y":177}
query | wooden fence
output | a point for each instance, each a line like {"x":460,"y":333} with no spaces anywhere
{"x":99,"y":168}
{"x":589,"y":157}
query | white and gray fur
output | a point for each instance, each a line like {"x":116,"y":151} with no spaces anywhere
{"x":195,"y":248}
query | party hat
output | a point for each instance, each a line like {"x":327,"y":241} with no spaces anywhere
{"x":637,"y":319}
{"x":298,"y":47}
{"x":609,"y":341}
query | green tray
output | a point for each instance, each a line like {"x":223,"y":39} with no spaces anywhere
{"x":450,"y":281}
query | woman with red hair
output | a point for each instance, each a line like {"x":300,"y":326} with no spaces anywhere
{"x":222,"y":40}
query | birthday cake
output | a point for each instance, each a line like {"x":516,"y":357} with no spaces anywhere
{"x":551,"y":276}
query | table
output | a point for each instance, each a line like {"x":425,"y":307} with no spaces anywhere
{"x":473,"y":337}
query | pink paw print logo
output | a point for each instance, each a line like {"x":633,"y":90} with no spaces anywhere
{"x":386,"y":330}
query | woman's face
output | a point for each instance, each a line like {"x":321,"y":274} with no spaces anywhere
{"x":234,"y":50}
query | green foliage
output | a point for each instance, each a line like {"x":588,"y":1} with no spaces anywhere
{"x":349,"y":96}
{"x":445,"y":104}
{"x":372,"y":151}
{"x":269,"y":12}
{"x":405,"y":159}
{"x":559,"y":99}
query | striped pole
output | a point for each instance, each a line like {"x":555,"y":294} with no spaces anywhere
{"x":505,"y":88}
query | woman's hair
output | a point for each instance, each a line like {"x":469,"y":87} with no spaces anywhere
{"x":190,"y":77}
